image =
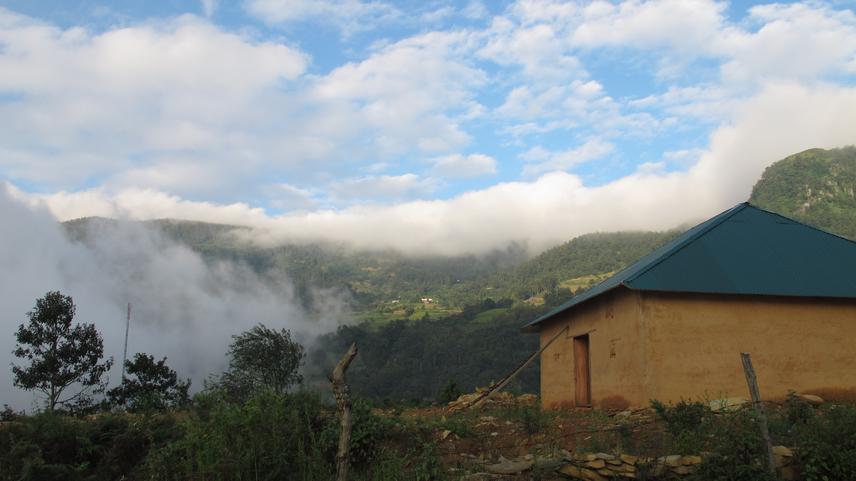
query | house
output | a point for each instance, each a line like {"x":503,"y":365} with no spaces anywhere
{"x":672,"y":325}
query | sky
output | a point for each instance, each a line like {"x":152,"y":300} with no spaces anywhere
{"x":428,"y":126}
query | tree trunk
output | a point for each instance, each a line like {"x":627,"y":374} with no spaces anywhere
{"x":343,"y":405}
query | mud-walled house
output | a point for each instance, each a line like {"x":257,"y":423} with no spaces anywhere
{"x":672,"y":325}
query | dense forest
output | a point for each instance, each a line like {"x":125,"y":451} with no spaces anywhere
{"x":816,"y":187}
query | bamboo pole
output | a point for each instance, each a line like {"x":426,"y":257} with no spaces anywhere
{"x":755,"y":393}
{"x":343,"y":406}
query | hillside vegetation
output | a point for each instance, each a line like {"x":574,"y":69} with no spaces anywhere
{"x":817,"y":187}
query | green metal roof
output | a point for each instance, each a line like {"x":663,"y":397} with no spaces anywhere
{"x":744,"y":250}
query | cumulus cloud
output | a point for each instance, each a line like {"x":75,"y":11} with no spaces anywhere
{"x":183,"y":308}
{"x":382,"y":187}
{"x":555,"y":207}
{"x":458,"y":165}
{"x":540,"y":160}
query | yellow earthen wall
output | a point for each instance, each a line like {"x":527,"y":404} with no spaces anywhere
{"x":616,"y":345}
{"x":801,"y":344}
{"x":671,"y":346}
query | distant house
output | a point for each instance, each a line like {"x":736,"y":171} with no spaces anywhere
{"x":672,"y":325}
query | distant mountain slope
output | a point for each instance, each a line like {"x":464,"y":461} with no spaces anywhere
{"x":817,"y":187}
{"x":387,"y":285}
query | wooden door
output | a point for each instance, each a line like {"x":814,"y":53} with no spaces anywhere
{"x":582,"y":373}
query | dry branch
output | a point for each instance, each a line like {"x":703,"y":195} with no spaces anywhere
{"x":343,"y":406}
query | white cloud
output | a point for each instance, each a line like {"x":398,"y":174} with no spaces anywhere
{"x":681,"y":25}
{"x":93,"y":105}
{"x":783,"y":119}
{"x":382,"y":187}
{"x":406,"y":94}
{"x":458,"y":165}
{"x":540,"y":160}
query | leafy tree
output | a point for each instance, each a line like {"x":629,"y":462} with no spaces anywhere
{"x":149,"y":386}
{"x":260,"y":359}
{"x":60,"y":357}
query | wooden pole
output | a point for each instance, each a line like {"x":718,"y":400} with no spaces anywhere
{"x":755,"y":392}
{"x":343,"y":406}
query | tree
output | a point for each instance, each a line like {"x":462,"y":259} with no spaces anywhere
{"x":149,"y":385}
{"x":262,"y":358}
{"x":61,"y":356}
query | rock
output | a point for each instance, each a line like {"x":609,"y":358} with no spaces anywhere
{"x":811,"y":399}
{"x":604,"y":456}
{"x":624,"y":414}
{"x":571,"y":471}
{"x":596,"y":464}
{"x":508,"y":467}
{"x":445,"y":434}
{"x":691,"y":460}
{"x":614,"y":462}
{"x":727,"y":404}
{"x":590,"y":457}
{"x":783,"y":451}
{"x":682,"y":470}
{"x":529,"y":457}
{"x":628,"y":458}
{"x":671,"y":461}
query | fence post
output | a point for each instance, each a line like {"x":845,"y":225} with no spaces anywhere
{"x":755,"y":393}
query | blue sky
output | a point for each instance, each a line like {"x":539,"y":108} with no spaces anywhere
{"x":455,"y":126}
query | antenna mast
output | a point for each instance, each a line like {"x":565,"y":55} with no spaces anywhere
{"x":125,"y":352}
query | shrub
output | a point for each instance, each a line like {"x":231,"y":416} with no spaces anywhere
{"x":827,"y":449}
{"x":687,"y":424}
{"x":736,"y":451}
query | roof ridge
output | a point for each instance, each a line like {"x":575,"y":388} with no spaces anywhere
{"x":713,"y":223}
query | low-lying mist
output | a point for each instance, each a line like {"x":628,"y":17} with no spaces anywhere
{"x":183,"y":307}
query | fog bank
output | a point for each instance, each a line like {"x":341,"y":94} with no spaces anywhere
{"x":183,"y":308}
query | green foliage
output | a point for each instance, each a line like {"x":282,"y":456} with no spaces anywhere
{"x":798,"y":411}
{"x":683,"y":416}
{"x":405,"y":360}
{"x":60,"y":357}
{"x":149,"y":386}
{"x":261,"y":359}
{"x":827,"y":445}
{"x":815,"y":187}
{"x":268,"y":437}
{"x":449,"y":393}
{"x":687,"y":424}
{"x":48,"y":446}
{"x":735,"y":450}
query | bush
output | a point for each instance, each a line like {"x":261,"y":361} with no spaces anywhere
{"x":736,"y":450}
{"x":827,"y":448}
{"x":687,"y":424}
{"x":268,"y":437}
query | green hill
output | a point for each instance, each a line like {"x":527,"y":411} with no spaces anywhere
{"x":816,"y":187}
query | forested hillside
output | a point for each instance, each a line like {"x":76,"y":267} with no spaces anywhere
{"x":816,"y":187}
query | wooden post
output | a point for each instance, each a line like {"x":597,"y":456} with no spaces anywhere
{"x":755,"y":392}
{"x":343,"y":406}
